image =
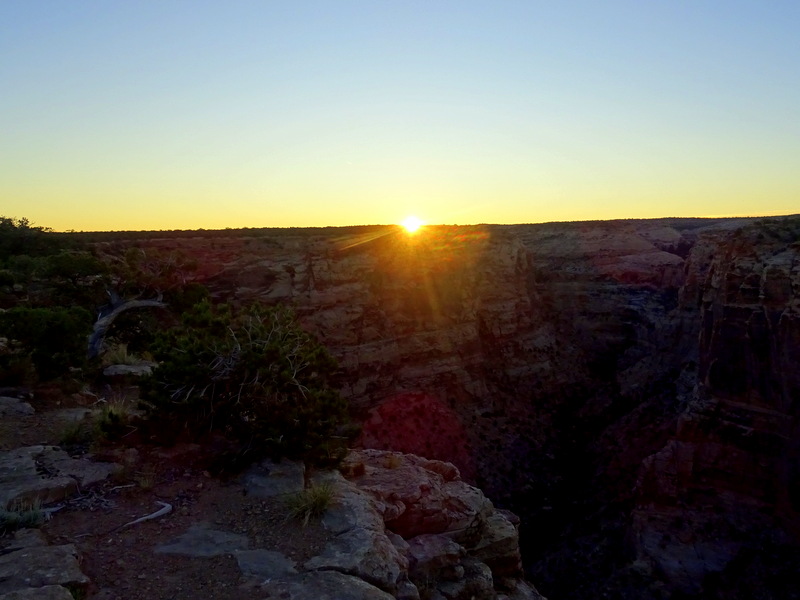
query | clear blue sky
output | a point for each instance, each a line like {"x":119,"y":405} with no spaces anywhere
{"x":185,"y":114}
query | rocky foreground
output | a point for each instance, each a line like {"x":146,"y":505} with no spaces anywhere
{"x":399,"y":526}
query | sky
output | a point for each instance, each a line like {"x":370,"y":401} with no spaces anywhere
{"x":179,"y":114}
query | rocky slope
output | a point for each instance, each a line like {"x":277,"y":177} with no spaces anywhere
{"x":630,"y":388}
{"x":397,"y":526}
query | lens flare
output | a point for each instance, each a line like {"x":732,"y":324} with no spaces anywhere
{"x":412,"y":224}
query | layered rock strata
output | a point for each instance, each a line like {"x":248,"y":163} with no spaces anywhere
{"x":630,"y":388}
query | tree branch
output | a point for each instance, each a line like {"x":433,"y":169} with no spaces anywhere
{"x":104,"y":321}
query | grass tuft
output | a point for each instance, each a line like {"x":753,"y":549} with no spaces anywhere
{"x":21,"y":516}
{"x":393,"y":461}
{"x":75,"y":433}
{"x":146,"y":479}
{"x":113,"y":422}
{"x":312,"y":502}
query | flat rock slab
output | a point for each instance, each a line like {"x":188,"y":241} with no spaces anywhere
{"x":139,"y":370}
{"x":14,"y":406}
{"x":85,"y":472}
{"x":45,"y":474}
{"x":201,"y":540}
{"x":39,"y":566}
{"x":24,"y":538}
{"x":264,"y":564}
{"x":321,"y":585}
{"x":23,"y":482}
{"x":48,"y":592}
{"x":269,"y":479}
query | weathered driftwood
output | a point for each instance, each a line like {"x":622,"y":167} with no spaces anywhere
{"x":166,"y":508}
{"x":104,"y":321}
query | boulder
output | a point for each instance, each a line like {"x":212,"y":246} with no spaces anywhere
{"x":414,"y":499}
{"x":499,"y":547}
{"x":476,"y":583}
{"x":429,"y":555}
{"x":321,"y":585}
{"x":448,"y":530}
{"x":39,"y":566}
{"x":516,"y":589}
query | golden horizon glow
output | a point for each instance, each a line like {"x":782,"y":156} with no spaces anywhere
{"x":108,"y":125}
{"x":412,"y":224}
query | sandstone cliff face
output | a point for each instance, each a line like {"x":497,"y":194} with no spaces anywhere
{"x":629,"y":388}
{"x":726,"y":480}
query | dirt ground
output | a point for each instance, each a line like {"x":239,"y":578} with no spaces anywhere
{"x":121,"y":561}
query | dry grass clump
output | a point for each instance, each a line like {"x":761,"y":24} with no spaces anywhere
{"x":113,"y":422}
{"x":393,"y":461}
{"x":21,"y":516}
{"x":312,"y":502}
{"x":351,"y":470}
{"x":75,"y":433}
{"x":118,"y":355}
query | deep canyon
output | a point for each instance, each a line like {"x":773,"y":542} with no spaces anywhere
{"x":629,"y":388}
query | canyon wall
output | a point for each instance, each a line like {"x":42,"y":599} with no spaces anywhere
{"x":629,"y":388}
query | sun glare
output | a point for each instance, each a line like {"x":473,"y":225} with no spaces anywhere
{"x":412,"y":224}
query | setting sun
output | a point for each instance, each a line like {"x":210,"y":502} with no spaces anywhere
{"x":412,"y":224}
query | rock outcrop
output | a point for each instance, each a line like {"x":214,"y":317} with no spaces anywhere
{"x":29,"y":568}
{"x":384,"y":540}
{"x":31,"y":477}
{"x":37,"y":475}
{"x":447,"y":535}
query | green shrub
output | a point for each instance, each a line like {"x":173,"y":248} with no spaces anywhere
{"x":255,"y":376}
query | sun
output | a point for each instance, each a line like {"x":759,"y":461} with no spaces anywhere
{"x":412,"y":224}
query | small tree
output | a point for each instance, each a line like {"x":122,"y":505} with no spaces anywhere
{"x":255,"y":375}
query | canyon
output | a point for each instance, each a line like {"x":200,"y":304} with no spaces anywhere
{"x":628,"y":388}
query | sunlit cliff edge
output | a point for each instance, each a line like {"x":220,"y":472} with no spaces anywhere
{"x":629,"y":388}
